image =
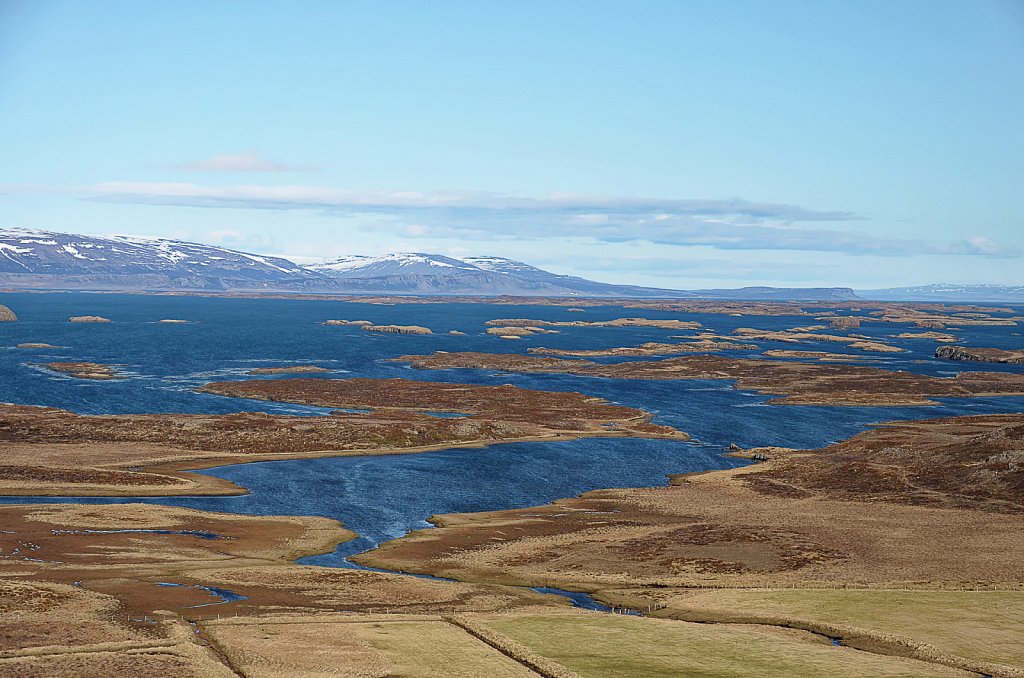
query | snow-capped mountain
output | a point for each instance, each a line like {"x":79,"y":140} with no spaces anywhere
{"x":33,"y":258}
{"x":509,"y":266}
{"x":1010,"y":294}
{"x":408,"y":263}
{"x":414,"y":272}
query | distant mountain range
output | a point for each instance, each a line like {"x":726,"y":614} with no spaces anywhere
{"x":414,"y":273}
{"x":43,"y":259}
{"x":1007,"y":294}
{"x":31,"y":259}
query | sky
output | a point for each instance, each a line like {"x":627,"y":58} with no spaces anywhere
{"x":686,"y":143}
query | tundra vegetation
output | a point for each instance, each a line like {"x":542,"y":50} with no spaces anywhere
{"x":893,"y":553}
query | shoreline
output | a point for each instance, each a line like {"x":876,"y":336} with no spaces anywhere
{"x":754,"y":508}
{"x":221,"y":487}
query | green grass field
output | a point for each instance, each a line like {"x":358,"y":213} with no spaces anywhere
{"x":982,"y":625}
{"x":611,"y":646}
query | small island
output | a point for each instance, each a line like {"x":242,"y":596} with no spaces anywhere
{"x":88,"y":319}
{"x":294,"y":369}
{"x":518,"y":332}
{"x":85,"y":370}
{"x":823,"y":356}
{"x":397,"y":329}
{"x":7,"y":315}
{"x":943,"y":337}
{"x":650,"y":348}
{"x":617,"y":322}
{"x":347,"y":322}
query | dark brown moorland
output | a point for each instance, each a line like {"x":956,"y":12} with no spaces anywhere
{"x":796,"y":382}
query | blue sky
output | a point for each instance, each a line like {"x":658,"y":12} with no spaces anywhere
{"x":685,"y":143}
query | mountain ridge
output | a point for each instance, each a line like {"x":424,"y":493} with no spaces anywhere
{"x":37,"y":259}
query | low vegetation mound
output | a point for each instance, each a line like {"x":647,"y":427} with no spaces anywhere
{"x":968,"y":462}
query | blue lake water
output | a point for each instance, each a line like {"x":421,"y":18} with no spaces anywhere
{"x":384,"y":497}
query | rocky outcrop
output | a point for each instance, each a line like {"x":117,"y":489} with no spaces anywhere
{"x":397,"y":329}
{"x":293,"y":369}
{"x":650,"y":348}
{"x":347,"y":322}
{"x":518,"y":331}
{"x":37,"y":345}
{"x":937,"y":336}
{"x":88,"y":319}
{"x":7,"y":315}
{"x":81,"y":370}
{"x":617,"y":322}
{"x":844,"y":323}
{"x":983,"y":355}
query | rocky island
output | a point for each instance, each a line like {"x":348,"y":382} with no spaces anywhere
{"x":670,"y":324}
{"x":85,"y":370}
{"x":984,"y":355}
{"x":347,"y":322}
{"x":291,"y":369}
{"x":943,"y":337}
{"x":396,"y":329}
{"x":649,"y":348}
{"x":7,"y":315}
{"x":88,"y":319}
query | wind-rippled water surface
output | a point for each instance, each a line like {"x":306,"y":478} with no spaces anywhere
{"x":382,"y":497}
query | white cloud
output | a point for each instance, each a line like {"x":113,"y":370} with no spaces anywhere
{"x":225,"y":235}
{"x":732,"y":224}
{"x":250,"y":161}
{"x":416,"y":230}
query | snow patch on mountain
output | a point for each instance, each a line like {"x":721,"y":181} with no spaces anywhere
{"x":399,"y":263}
{"x":47,"y":253}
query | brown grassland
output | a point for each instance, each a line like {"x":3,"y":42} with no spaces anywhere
{"x":903,"y":542}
